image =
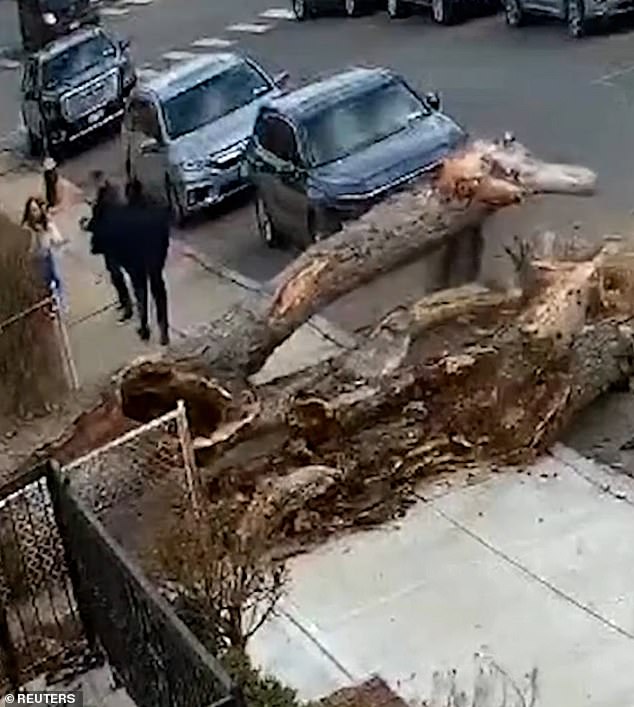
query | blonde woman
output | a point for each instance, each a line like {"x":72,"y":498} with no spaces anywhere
{"x":46,"y":240}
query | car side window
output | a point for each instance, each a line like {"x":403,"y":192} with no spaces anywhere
{"x":278,"y":137}
{"x":142,"y":118}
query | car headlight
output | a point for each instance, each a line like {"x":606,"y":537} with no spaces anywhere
{"x":193,"y":165}
{"x":49,"y":19}
{"x":230,"y":156}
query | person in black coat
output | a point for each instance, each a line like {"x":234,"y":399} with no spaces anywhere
{"x":148,"y":229}
{"x":105,"y":226}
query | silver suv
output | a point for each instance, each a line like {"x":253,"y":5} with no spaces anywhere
{"x":579,"y":15}
{"x":186,"y":130}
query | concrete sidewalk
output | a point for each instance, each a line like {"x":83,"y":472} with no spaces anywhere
{"x":198,"y":293}
{"x":534,"y":569}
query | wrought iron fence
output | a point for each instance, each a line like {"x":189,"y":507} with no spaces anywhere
{"x":38,"y":618}
{"x":153,"y":654}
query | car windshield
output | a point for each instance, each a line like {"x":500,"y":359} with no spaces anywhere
{"x":214,"y":98}
{"x":354,"y":123}
{"x":76,"y":59}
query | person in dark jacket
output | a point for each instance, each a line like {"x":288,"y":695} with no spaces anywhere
{"x":105,"y":226}
{"x":148,"y":229}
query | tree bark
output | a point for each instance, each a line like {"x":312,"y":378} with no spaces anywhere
{"x":435,"y":213}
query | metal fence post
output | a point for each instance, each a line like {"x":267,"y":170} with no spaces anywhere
{"x":68,"y":362}
{"x":189,"y":458}
{"x":9,"y":653}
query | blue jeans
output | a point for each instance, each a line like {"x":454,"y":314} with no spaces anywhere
{"x":51,"y":276}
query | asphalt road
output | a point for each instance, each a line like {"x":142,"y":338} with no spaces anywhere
{"x":566,"y":99}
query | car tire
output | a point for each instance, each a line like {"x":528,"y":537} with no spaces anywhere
{"x":396,"y":9}
{"x":302,"y":10}
{"x":177,"y":215}
{"x":576,"y":19}
{"x":269,"y":235}
{"x":442,"y":12}
{"x":513,"y":13}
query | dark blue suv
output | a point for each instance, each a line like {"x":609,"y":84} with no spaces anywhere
{"x":330,"y":150}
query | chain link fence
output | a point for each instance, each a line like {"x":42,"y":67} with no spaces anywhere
{"x":139,"y":480}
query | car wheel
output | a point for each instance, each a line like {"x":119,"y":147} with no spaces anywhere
{"x":395,"y":8}
{"x":576,"y":19}
{"x":302,"y":10}
{"x":269,"y":235}
{"x":177,"y":214}
{"x":441,"y":11}
{"x":513,"y":13}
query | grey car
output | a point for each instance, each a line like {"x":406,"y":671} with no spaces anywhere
{"x":74,"y":86}
{"x":579,"y":15}
{"x":443,"y":12}
{"x":305,"y":9}
{"x":185,"y":130}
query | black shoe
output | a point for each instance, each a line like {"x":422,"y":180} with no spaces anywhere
{"x":126,"y":314}
{"x":165,"y":339}
{"x":144,"y":333}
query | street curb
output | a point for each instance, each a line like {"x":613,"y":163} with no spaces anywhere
{"x":608,"y":480}
{"x":323,"y":326}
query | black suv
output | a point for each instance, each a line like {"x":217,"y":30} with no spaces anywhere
{"x":75,"y":85}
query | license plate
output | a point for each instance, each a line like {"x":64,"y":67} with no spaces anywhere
{"x":95,"y":117}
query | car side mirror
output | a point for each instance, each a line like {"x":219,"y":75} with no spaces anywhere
{"x":281,"y":79}
{"x":433,"y":100}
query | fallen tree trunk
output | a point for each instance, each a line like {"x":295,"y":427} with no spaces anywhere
{"x":486,"y":177}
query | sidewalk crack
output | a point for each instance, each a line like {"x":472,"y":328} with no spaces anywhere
{"x":532,"y":575}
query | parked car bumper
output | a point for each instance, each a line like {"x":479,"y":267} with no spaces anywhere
{"x":207,"y":191}
{"x":610,"y":8}
{"x":63,"y":131}
{"x":346,"y":208}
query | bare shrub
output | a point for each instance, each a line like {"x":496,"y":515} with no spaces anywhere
{"x":493,"y":687}
{"x":227,"y":578}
